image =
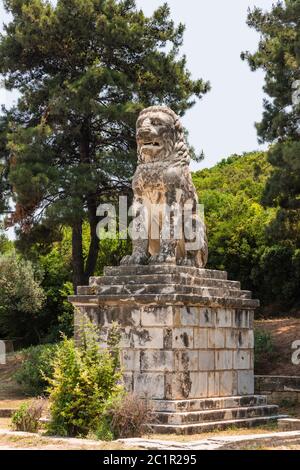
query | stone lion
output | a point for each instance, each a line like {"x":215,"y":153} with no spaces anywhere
{"x":163,"y":190}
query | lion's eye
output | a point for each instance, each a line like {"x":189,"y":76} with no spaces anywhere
{"x":156,"y":122}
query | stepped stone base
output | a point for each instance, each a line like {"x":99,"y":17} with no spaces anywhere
{"x":196,"y":416}
{"x":187,"y":342}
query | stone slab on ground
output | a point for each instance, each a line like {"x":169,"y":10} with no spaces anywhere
{"x":214,"y":442}
{"x":289,"y":424}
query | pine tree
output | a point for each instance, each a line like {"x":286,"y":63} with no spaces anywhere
{"x":84,"y":69}
{"x":4,"y":169}
{"x":278,"y":55}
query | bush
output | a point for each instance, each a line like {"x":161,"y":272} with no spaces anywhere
{"x":36,"y":368}
{"x":264,"y":350}
{"x":27,"y":417}
{"x":103,"y":431}
{"x":21,"y":298}
{"x":85,"y":378}
{"x":128,"y":416}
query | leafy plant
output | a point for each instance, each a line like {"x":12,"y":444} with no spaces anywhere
{"x":85,"y":378}
{"x":27,"y":417}
{"x":21,"y":297}
{"x":35,"y":368}
{"x":104,"y":432}
{"x":264,"y":349}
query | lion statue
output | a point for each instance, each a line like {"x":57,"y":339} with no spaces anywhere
{"x":163,"y":194}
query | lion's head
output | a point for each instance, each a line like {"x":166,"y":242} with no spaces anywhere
{"x":160,"y":136}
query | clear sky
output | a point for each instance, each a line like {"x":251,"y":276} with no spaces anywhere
{"x":222,"y":123}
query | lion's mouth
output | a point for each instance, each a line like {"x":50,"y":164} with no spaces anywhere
{"x":151,"y":144}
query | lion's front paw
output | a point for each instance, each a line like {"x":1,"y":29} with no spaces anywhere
{"x":135,"y":258}
{"x":162,"y":258}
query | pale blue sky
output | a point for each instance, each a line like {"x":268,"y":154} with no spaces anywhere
{"x":216,"y":32}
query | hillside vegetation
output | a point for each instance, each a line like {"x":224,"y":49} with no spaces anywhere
{"x":241,"y":231}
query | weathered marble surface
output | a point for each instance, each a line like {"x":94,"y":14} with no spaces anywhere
{"x":163,"y":179}
{"x":187,"y":333}
{"x":187,"y":342}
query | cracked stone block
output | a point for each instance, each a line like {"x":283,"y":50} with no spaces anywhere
{"x":231,"y":338}
{"x":130,"y":360}
{"x":206,"y":360}
{"x":153,"y":316}
{"x":200,"y":338}
{"x":207,"y":317}
{"x":128,"y":381}
{"x":245,"y":339}
{"x":224,"y":318}
{"x":183,"y":338}
{"x":178,"y":385}
{"x":186,"y":360}
{"x":157,"y":361}
{"x":228,"y":383}
{"x":241,"y":318}
{"x":216,"y":338}
{"x":245,"y":382}
{"x":241,"y":359}
{"x":150,"y":338}
{"x":224,"y":360}
{"x":149,"y":385}
{"x":213,"y":384}
{"x":189,"y":316}
{"x":199,"y":385}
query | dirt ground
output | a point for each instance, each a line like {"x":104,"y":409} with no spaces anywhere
{"x":283,"y":332}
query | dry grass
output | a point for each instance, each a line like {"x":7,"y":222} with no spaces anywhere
{"x":5,"y":423}
{"x":47,"y":443}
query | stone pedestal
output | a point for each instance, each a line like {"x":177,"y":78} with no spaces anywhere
{"x":187,"y":342}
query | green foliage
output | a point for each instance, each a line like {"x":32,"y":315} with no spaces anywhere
{"x":36,"y":367}
{"x":5,"y":244}
{"x":5,"y":192}
{"x":21,"y":298}
{"x":263,"y":342}
{"x":53,"y":255}
{"x":57,"y":314}
{"x":84,"y":70}
{"x":27,"y":417}
{"x":264,"y":351}
{"x":278,"y":55}
{"x":236,"y":221}
{"x":103,"y":431}
{"x":85,"y":378}
{"x":240,"y":234}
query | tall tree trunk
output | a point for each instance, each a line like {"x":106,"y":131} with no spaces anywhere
{"x":82,"y":271}
{"x":77,"y":255}
{"x":94,"y":243}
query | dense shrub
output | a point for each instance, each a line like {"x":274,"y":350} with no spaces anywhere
{"x":85,"y":379}
{"x":37,"y":365}
{"x":27,"y":417}
{"x":128,"y":416}
{"x":21,"y":298}
{"x":264,"y":349}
